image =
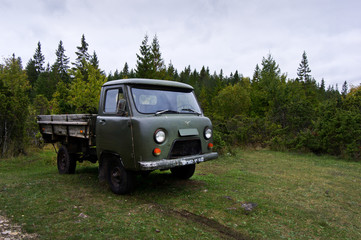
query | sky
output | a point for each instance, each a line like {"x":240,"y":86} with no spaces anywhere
{"x":220,"y":34}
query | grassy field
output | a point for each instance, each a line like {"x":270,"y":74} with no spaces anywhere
{"x":293,"y":197}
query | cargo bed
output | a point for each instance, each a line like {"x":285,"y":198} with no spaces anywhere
{"x":62,"y":127}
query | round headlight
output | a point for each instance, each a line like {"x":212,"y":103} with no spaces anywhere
{"x":159,"y":136}
{"x":207,"y":133}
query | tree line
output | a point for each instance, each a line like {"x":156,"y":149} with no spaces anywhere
{"x":267,"y":109}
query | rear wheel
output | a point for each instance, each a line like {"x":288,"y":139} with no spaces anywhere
{"x":66,"y":162}
{"x":184,"y":172}
{"x":120,"y":180}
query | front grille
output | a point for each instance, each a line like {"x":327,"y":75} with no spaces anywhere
{"x":183,"y":148}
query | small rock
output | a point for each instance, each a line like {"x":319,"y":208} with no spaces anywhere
{"x":228,"y":197}
{"x":248,"y":207}
{"x":82,"y":215}
{"x":5,"y":232}
{"x":157,"y":230}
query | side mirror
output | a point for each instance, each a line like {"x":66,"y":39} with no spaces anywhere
{"x":121,"y":107}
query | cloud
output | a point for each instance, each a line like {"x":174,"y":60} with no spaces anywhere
{"x":230,"y":35}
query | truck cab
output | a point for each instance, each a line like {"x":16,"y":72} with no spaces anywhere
{"x":144,"y":125}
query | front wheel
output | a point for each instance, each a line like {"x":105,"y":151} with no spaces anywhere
{"x":184,"y":172}
{"x":120,"y":180}
{"x":66,"y":162}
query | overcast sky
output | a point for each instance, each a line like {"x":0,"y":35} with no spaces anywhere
{"x":226,"y":34}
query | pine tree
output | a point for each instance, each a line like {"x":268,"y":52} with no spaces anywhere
{"x":83,"y":58}
{"x":144,"y":60}
{"x":303,"y":71}
{"x":171,"y":72}
{"x":158,"y":66}
{"x":39,"y":59}
{"x":256,"y":74}
{"x":323,"y":87}
{"x":82,"y":53}
{"x":35,"y":65}
{"x":94,"y":60}
{"x":125,"y":71}
{"x":344,"y":89}
{"x":61,"y":64}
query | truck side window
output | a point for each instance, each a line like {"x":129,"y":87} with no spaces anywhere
{"x":112,"y":99}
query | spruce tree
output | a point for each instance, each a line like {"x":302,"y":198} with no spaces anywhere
{"x":144,"y":60}
{"x":157,"y":62}
{"x":35,"y":65}
{"x":125,"y":71}
{"x":39,"y":59}
{"x":256,"y":74}
{"x":61,"y":64}
{"x":94,"y":60}
{"x":344,"y":89}
{"x":171,"y":72}
{"x":82,"y":53}
{"x":303,"y":71}
{"x":83,"y":58}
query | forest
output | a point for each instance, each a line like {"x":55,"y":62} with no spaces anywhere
{"x":267,"y":110}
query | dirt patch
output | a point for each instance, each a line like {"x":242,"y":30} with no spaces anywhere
{"x":224,"y":231}
{"x":10,"y":231}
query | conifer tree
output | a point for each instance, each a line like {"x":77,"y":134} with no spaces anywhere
{"x":144,"y":60}
{"x":94,"y":60}
{"x":35,"y":65}
{"x":157,"y":62}
{"x":344,"y":89}
{"x":256,"y":74}
{"x":83,"y":58}
{"x":171,"y":72}
{"x":125,"y":71}
{"x":39,"y":59}
{"x":323,"y":87}
{"x":61,"y":64}
{"x":303,"y":71}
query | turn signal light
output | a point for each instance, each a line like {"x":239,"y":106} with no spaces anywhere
{"x":210,"y":145}
{"x":156,"y":151}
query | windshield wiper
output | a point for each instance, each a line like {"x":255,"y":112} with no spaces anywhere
{"x":165,"y":111}
{"x":190,"y":110}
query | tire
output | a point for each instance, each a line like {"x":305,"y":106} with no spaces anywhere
{"x":66,"y":162}
{"x":120,"y":180}
{"x":184,"y":172}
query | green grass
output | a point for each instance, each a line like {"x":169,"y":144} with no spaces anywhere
{"x":297,"y":197}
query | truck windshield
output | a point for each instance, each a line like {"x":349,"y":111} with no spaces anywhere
{"x":156,"y":101}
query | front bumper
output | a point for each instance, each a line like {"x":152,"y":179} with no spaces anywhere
{"x":171,"y":163}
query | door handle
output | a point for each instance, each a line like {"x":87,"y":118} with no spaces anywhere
{"x":102,"y":122}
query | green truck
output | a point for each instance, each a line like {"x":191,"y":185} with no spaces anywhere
{"x":142,"y":125}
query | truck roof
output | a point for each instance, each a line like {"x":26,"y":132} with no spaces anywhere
{"x":154,"y":82}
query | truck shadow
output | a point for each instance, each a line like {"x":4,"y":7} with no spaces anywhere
{"x":165,"y":182}
{"x":157,"y":182}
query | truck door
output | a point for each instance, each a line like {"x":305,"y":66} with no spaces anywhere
{"x":113,"y":127}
